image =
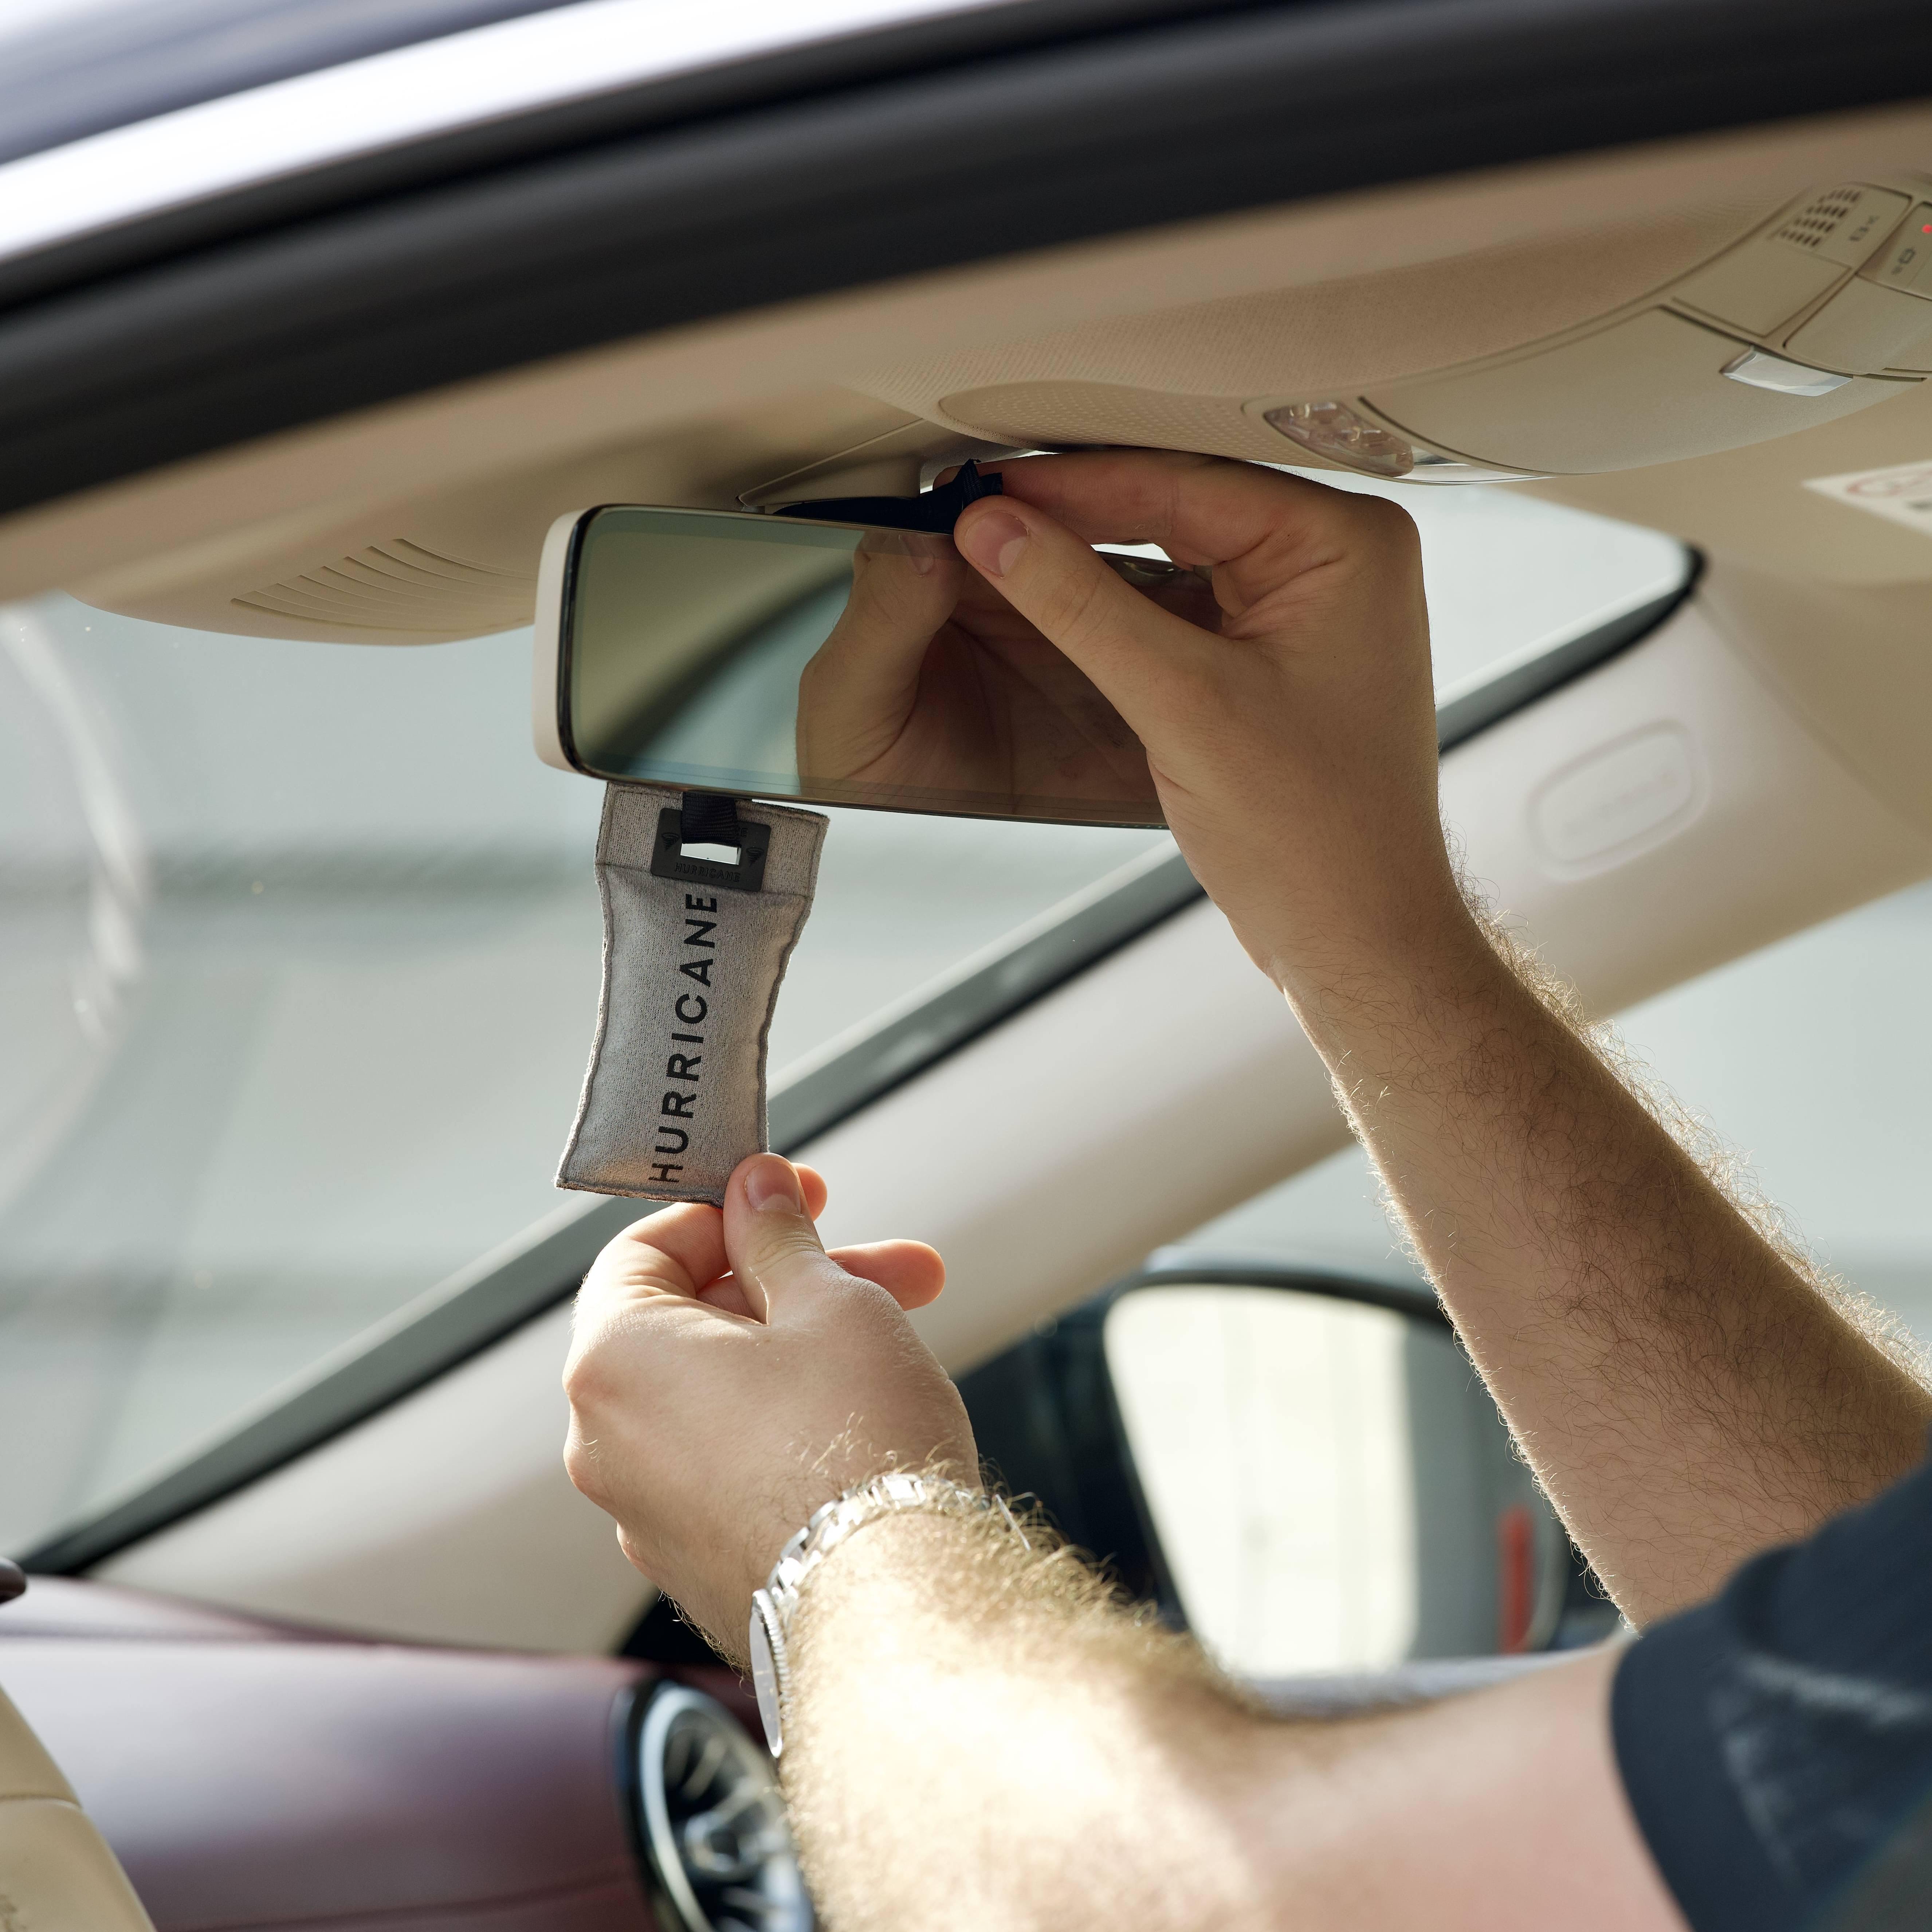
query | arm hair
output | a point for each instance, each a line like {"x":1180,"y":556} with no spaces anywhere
{"x":1689,"y":1386}
{"x":979,"y":1734}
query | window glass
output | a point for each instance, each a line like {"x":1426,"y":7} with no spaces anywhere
{"x":300,"y":963}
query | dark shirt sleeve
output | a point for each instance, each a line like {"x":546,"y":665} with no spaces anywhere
{"x":1776,"y":1744}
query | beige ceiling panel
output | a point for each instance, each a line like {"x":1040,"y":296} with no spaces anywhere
{"x":436,"y":567}
{"x":1326,"y":338}
{"x":1751,"y":505}
{"x":1051,"y":413}
{"x":697,"y":415}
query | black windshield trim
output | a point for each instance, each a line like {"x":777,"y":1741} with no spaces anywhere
{"x":501,"y":1293}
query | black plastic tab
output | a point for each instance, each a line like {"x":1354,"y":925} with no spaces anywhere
{"x":710,"y":818}
{"x":936,"y":511}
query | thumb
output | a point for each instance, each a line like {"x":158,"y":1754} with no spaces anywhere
{"x":1125,"y":642}
{"x":773,"y":1249}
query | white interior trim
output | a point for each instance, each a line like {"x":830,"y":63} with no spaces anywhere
{"x":409,"y":94}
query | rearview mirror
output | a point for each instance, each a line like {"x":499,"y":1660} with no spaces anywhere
{"x":836,"y":662}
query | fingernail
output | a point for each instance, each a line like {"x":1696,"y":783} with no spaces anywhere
{"x":993,"y":542}
{"x":772,"y":1184}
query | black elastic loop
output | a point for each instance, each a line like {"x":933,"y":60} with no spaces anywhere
{"x":709,"y":818}
{"x":936,"y":512}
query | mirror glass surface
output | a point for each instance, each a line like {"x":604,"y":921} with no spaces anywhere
{"x":792,"y":659}
{"x":1331,"y":1486}
{"x":780,"y":657}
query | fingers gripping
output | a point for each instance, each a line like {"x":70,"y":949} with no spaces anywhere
{"x":774,"y":1249}
{"x":777,"y":1258}
{"x":677,"y":1251}
{"x":1120,"y":639}
{"x":734,"y":1261}
{"x":911,"y":1272}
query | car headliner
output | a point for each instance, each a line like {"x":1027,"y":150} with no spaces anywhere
{"x":954,"y":138}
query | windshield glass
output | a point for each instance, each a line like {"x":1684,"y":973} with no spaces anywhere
{"x":300,"y":961}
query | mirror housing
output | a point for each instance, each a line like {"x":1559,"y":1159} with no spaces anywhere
{"x":820,"y":658}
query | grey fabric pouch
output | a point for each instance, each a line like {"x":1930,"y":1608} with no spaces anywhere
{"x":694,"y":951}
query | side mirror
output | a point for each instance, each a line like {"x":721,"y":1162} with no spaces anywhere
{"x":1304,"y":1469}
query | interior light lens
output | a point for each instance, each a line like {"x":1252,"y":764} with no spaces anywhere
{"x":1334,"y":430}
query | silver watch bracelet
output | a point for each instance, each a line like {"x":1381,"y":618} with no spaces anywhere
{"x":774,"y":1607}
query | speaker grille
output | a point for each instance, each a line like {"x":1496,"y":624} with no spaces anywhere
{"x":1820,"y":219}
{"x":400,"y":586}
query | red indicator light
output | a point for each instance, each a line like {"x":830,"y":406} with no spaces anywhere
{"x":1927,"y":229}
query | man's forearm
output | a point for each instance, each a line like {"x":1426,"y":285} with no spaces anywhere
{"x":976,"y":1738}
{"x":1687,"y":1392}
{"x":1026,"y":1741}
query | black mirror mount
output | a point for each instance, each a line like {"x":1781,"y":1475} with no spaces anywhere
{"x":935,"y":511}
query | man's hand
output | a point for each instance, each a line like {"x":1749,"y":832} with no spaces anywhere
{"x":1288,"y":721}
{"x":727,"y":1375}
{"x":933,"y":682}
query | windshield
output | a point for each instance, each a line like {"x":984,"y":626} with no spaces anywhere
{"x":301,"y":953}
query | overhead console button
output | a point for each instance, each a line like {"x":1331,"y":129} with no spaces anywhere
{"x":1905,"y":262}
{"x":1781,"y":270}
{"x":1865,"y":328}
{"x":1759,"y":287}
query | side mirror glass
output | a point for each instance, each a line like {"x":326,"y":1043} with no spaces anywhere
{"x":1329,"y":1484}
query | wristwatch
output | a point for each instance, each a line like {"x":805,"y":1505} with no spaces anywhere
{"x":774,"y":1606}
